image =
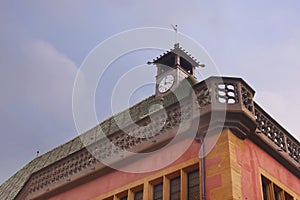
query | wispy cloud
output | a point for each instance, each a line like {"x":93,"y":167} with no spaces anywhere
{"x":272,"y":69}
{"x":36,"y":82}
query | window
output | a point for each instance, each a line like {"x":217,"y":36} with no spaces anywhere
{"x":193,"y":185}
{"x":287,"y":196}
{"x":123,"y":198}
{"x":278,"y":192}
{"x":264,"y":189}
{"x":138,"y":195}
{"x":180,"y":182}
{"x":271,"y":191}
{"x":175,"y":188}
{"x":158,"y":191}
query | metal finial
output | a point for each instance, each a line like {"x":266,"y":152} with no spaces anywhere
{"x":175,"y":28}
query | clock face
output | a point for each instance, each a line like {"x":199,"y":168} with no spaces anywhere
{"x":166,"y":83}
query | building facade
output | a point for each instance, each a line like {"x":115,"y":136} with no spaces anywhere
{"x":190,"y":140}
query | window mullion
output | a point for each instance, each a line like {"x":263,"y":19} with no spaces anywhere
{"x":183,"y":184}
{"x":130,"y":195}
{"x":270,"y":191}
{"x":281,"y":195}
{"x":166,"y":188}
{"x":148,"y":190}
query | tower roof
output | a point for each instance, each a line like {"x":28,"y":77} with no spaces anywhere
{"x":177,"y":50}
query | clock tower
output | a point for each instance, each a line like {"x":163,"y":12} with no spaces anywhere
{"x":172,"y":68}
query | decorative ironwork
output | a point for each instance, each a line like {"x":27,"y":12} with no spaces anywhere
{"x":293,"y":149}
{"x":270,"y":130}
{"x":276,"y":134}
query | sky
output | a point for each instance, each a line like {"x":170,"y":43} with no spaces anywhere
{"x":43,"y":44}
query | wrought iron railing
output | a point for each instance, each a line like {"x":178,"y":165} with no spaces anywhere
{"x":276,"y":134}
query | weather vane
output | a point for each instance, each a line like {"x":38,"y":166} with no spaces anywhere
{"x":175,"y":28}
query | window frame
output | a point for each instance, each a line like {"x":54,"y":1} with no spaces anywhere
{"x":274,"y":189}
{"x":188,"y":182}
{"x":177,"y":191}
{"x":147,"y":183}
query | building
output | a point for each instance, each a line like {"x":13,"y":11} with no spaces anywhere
{"x":205,"y":140}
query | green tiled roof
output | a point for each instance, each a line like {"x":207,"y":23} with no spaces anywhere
{"x":10,"y":188}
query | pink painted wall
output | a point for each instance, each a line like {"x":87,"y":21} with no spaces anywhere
{"x":252,"y":158}
{"x":118,"y":179}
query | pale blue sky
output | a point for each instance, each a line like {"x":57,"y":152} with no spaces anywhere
{"x":43,"y":43}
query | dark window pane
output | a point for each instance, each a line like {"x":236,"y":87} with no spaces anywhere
{"x":276,"y":195}
{"x":158,"y":192}
{"x":287,"y":196}
{"x":175,"y":188}
{"x":193,"y":185}
{"x":264,"y":186}
{"x":123,"y":198}
{"x":277,"y":192}
{"x":138,"y":195}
